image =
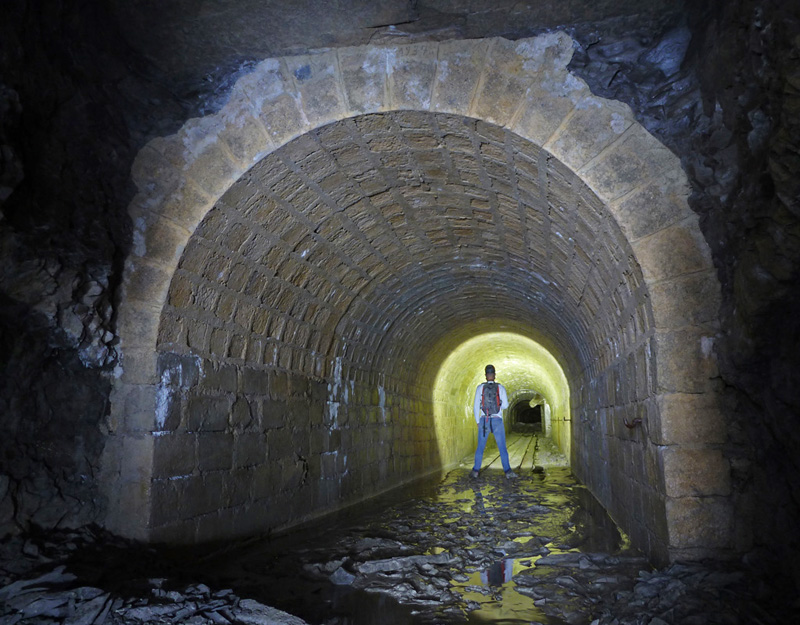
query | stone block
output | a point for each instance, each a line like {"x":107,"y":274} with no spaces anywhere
{"x":214,"y":451}
{"x":166,"y":508}
{"x":274,"y":413}
{"x":672,"y":252}
{"x":695,"y":472}
{"x":298,"y":414}
{"x":265,"y":481}
{"x":686,"y":300}
{"x":219,"y":377}
{"x":631,"y":161}
{"x":129,"y":493}
{"x":594,"y":124}
{"x":138,"y":324}
{"x":699,"y":522}
{"x":237,"y":487}
{"x":300,"y":441}
{"x":202,"y":494}
{"x":245,"y":137}
{"x":139,"y":365}
{"x":504,"y":82}
{"x":318,"y":82}
{"x":159,"y":238}
{"x":212,"y":169}
{"x":197,"y":335}
{"x":255,"y":381}
{"x":279,"y":444}
{"x":278,"y":385}
{"x":292,"y":475}
{"x":363,"y":72}
{"x":172,"y":332}
{"x":411,"y":70}
{"x":250,"y":449}
{"x":319,"y":441}
{"x":179,"y":371}
{"x":210,"y":527}
{"x":138,"y":405}
{"x":155,"y":176}
{"x":207,"y":413}
{"x":689,"y":419}
{"x":459,"y":69}
{"x":237,"y":348}
{"x":173,"y":455}
{"x":176,"y":533}
{"x":283,"y":119}
{"x":656,"y":205}
{"x":187,"y":205}
{"x":255,"y":351}
{"x":218,"y":342}
{"x":241,"y":413}
{"x":685,"y":362}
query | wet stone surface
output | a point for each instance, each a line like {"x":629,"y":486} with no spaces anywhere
{"x":538,"y":549}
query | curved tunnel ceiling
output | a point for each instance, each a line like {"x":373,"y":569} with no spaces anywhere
{"x":384,"y":239}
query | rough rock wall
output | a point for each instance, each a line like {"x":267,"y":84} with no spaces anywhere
{"x":65,"y":147}
{"x":720,"y":87}
{"x":747,"y":168}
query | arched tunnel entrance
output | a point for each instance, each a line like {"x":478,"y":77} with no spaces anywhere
{"x":528,"y":412}
{"x":321,"y":269}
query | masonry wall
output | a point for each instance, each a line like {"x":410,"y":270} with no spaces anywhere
{"x":240,"y":450}
{"x":295,"y":231}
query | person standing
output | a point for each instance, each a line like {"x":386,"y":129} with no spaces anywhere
{"x":490,"y":401}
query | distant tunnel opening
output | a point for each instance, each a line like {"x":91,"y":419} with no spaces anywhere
{"x":527,"y":415}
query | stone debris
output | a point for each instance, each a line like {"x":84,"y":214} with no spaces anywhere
{"x":493,"y":551}
{"x":46,"y":594}
{"x":532,"y":546}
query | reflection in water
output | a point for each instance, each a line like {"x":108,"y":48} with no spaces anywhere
{"x":498,"y":573}
{"x":452,"y":551}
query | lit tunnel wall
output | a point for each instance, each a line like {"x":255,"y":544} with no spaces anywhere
{"x":305,"y":261}
{"x":350,"y":261}
{"x":523,"y":366}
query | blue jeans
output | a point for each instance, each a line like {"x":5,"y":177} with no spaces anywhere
{"x":486,"y":426}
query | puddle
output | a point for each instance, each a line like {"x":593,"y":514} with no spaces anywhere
{"x":453,"y":550}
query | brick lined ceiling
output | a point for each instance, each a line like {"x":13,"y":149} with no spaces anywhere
{"x":379,"y":238}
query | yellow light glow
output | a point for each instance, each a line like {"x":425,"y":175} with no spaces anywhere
{"x":523,"y":366}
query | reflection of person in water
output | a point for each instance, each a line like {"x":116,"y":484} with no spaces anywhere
{"x":479,"y":506}
{"x":499,"y":573}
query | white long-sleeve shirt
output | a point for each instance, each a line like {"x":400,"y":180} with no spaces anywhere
{"x":479,"y":395}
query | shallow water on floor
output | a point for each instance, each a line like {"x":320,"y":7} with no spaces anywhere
{"x":453,"y":550}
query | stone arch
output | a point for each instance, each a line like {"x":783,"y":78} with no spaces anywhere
{"x":523,"y":87}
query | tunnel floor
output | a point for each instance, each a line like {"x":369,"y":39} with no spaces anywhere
{"x":450,"y":549}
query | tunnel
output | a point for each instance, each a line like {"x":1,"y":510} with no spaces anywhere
{"x":321,"y":270}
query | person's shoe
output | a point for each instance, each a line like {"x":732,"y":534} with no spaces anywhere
{"x":510,"y":475}
{"x":473,"y":474}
